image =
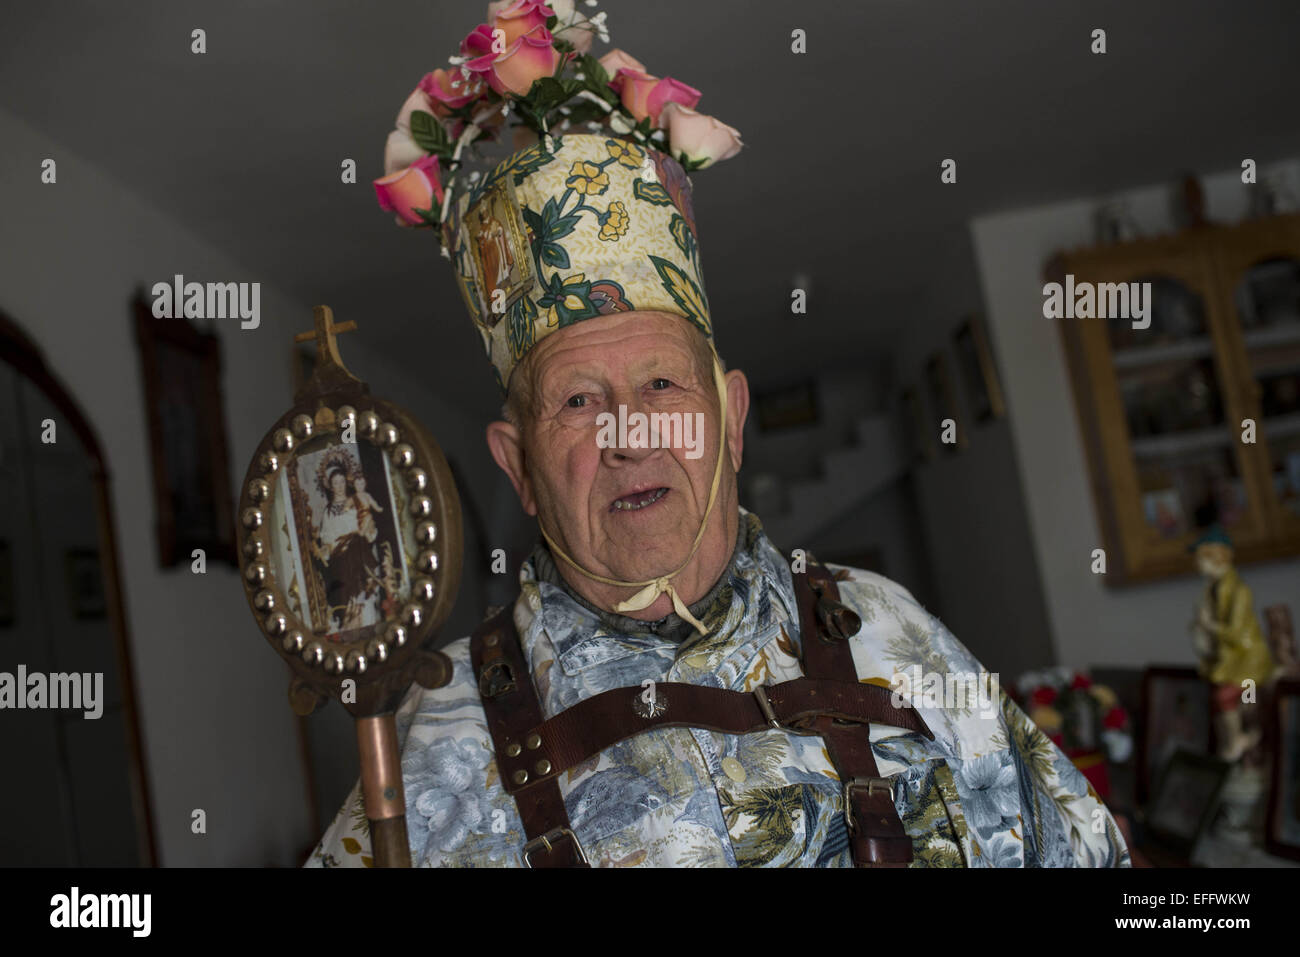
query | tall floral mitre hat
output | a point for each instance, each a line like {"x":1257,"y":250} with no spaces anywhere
{"x":593,"y":216}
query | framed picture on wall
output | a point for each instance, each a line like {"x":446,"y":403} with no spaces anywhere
{"x":787,"y":408}
{"x":943,"y":402}
{"x":1175,"y":714}
{"x":1185,"y":799}
{"x":978,"y":374}
{"x":181,"y":368}
{"x":1282,"y":827}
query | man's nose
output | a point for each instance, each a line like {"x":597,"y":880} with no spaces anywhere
{"x":629,"y":411}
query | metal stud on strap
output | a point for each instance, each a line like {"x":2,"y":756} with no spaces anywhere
{"x":871,"y":784}
{"x":545,"y":842}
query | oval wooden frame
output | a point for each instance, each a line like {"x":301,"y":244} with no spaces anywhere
{"x":404,"y":658}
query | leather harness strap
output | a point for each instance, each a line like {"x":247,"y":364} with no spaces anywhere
{"x":601,"y":721}
{"x":876,"y":832}
{"x":510,"y":703}
{"x":531,"y":752}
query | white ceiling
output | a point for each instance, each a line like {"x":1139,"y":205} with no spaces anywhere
{"x":839,"y":178}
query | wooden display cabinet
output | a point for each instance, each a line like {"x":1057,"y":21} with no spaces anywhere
{"x":1161,"y":409}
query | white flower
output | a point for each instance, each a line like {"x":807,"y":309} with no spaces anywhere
{"x":1118,"y":745}
{"x":698,"y":136}
{"x":572,"y":26}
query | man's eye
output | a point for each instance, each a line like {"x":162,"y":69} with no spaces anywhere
{"x":660,"y":384}
{"x":576,"y":401}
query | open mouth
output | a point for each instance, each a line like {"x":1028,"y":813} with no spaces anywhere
{"x":638,"y":500}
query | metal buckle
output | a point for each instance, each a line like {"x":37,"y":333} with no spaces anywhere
{"x":544,"y":841}
{"x":492,"y":681}
{"x":765,"y":706}
{"x":870,"y":784}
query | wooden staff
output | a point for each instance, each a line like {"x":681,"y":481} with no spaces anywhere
{"x":378,"y":681}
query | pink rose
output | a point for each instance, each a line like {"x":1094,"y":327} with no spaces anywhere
{"x":616,"y":60}
{"x":531,"y":57}
{"x":645,"y":95}
{"x":449,"y":89}
{"x":477,"y":45}
{"x":416,"y":187}
{"x":418,"y":100}
{"x":699,"y":136}
{"x":400,"y":152}
{"x":519,"y":18}
{"x":513,"y":71}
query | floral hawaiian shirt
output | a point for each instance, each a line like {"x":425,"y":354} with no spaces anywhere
{"x":989,"y":791}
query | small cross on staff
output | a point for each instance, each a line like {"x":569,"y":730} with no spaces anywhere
{"x":330,"y":372}
{"x":324,"y":334}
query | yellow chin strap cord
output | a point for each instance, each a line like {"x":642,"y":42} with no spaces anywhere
{"x":652,"y":588}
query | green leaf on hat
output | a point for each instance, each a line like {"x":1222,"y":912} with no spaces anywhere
{"x":684,"y":292}
{"x":430,"y":216}
{"x":557,"y":227}
{"x":571,"y":299}
{"x":549,"y":92}
{"x":682,"y":235}
{"x":586,"y":112}
{"x":545,"y":92}
{"x":596,"y":79}
{"x":519,"y":327}
{"x":651,"y":192}
{"x":428,"y":133}
{"x":529,"y":161}
{"x":553,"y":254}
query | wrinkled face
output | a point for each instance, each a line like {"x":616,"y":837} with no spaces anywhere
{"x":628,"y":513}
{"x":1213,"y":560}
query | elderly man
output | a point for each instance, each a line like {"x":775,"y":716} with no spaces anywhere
{"x":670,"y":688}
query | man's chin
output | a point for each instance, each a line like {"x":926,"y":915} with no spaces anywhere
{"x":647,"y":553}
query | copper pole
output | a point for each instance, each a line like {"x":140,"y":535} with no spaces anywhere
{"x":381,"y":788}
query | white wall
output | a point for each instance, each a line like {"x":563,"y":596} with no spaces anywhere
{"x":217,"y":729}
{"x":1091,"y":623}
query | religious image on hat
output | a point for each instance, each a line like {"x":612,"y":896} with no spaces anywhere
{"x":591,"y":215}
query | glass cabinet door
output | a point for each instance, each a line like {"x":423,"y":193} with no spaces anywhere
{"x":1260,"y":273}
{"x":1181,"y":440}
{"x":1167,"y":402}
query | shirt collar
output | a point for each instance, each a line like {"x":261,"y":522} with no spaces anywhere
{"x":583,"y":636}
{"x":671,"y":627}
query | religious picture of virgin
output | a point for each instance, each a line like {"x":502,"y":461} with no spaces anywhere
{"x":499,"y":247}
{"x":493,"y":252}
{"x":341,"y":542}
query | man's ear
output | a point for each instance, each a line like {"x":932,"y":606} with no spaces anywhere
{"x":507,"y":447}
{"x":737,"y":411}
